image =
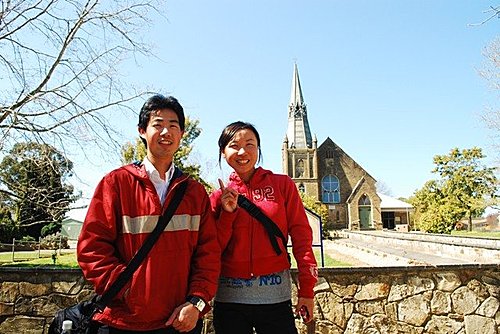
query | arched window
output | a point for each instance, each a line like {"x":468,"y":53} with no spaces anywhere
{"x":330,"y":186}
{"x":299,"y":168}
{"x":364,"y":200}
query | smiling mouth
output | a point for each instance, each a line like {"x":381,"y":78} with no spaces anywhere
{"x":243,"y":162}
{"x":164,"y":141}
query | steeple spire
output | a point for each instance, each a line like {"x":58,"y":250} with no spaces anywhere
{"x":296,"y":97}
{"x":298,"y":133}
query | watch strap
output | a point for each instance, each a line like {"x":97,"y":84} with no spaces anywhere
{"x":197,"y":302}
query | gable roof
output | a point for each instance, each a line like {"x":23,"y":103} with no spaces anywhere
{"x":329,"y":142}
{"x":71,"y":221}
{"x":389,"y":202}
{"x":355,"y":189}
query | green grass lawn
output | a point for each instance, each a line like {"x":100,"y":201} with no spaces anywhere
{"x":65,"y":260}
{"x":477,"y":234}
{"x":69,"y":261}
{"x":329,"y":262}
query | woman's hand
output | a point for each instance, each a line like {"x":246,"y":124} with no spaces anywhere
{"x":229,"y":198}
{"x":305,"y":309}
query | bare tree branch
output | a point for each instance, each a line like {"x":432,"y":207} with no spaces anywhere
{"x":490,"y":71}
{"x":60,"y":67}
{"x":493,"y":11}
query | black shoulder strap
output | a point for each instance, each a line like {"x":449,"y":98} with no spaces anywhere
{"x":132,"y":266}
{"x":272,"y":229}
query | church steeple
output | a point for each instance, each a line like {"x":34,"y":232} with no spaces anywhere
{"x":298,"y":133}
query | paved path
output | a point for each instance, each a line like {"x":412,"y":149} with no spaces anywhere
{"x":360,"y":253}
{"x":381,"y":255}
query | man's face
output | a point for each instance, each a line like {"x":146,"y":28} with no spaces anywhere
{"x":163,"y":134}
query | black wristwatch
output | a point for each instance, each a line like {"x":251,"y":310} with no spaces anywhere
{"x":197,"y":302}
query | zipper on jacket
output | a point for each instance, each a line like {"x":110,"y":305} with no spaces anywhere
{"x":248,"y":194}
{"x":251,"y":248}
{"x":177,"y":179}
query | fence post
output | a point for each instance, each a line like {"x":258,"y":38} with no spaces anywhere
{"x":60,"y":244}
{"x":13,"y":248}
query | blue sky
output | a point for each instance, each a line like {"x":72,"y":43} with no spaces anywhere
{"x":393,"y":83}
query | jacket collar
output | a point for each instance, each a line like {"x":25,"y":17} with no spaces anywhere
{"x":138,"y":170}
{"x":257,"y":177}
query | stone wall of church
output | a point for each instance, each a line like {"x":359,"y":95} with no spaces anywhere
{"x":442,"y":299}
{"x":332,"y":160}
{"x":376,"y":214}
{"x":300,"y":167}
{"x":337,"y":216}
{"x":307,"y":170}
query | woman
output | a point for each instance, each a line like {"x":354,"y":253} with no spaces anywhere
{"x":255,"y":286}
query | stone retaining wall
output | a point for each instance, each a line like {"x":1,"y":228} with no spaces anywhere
{"x":442,"y":299}
{"x":476,"y":250}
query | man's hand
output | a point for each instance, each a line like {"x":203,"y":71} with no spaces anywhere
{"x":184,"y":317}
{"x":305,"y":309}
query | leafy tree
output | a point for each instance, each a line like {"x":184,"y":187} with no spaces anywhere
{"x":34,"y":178}
{"x":467,"y":182}
{"x":60,"y":68}
{"x":463,"y":190}
{"x":318,"y":208}
{"x":132,"y":152}
{"x":434,"y":212}
{"x":8,"y":230}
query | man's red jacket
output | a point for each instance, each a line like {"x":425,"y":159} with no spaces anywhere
{"x":184,"y":261}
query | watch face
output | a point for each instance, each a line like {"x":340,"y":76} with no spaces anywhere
{"x":198,"y":303}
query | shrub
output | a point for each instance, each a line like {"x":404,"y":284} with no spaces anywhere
{"x":52,"y":241}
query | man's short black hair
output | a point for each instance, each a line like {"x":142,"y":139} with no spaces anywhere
{"x":160,"y":102}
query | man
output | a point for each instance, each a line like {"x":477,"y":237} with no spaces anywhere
{"x":170,"y":290}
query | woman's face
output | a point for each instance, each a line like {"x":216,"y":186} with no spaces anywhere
{"x":242,"y":153}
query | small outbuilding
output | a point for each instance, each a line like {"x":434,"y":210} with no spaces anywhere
{"x":395,"y":213}
{"x":71,"y":228}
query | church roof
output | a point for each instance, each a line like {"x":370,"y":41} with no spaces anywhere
{"x":355,"y":189}
{"x":328,"y":142}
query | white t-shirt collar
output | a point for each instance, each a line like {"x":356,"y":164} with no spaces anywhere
{"x":161,"y":186}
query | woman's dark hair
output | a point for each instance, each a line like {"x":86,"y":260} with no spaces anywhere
{"x":229,"y":132}
{"x":160,"y":102}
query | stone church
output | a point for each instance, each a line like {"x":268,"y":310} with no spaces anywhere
{"x":327,"y":173}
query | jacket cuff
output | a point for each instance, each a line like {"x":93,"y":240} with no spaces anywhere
{"x":307,"y":292}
